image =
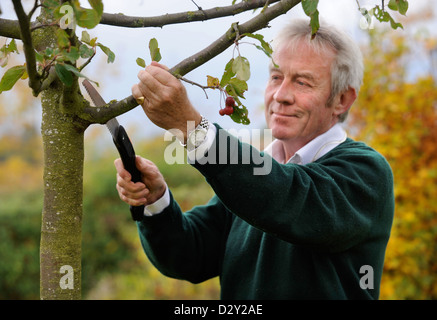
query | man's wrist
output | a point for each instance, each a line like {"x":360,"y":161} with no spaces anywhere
{"x":159,"y":205}
{"x":197,"y":136}
{"x":198,"y":153}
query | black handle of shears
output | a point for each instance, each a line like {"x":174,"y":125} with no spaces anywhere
{"x":127,"y":154}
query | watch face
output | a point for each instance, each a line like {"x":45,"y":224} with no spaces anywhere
{"x":197,"y":136}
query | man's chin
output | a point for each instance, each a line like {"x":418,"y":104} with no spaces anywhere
{"x":282,"y":133}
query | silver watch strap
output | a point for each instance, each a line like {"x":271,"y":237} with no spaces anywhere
{"x":204,"y":123}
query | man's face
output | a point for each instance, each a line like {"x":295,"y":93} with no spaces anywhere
{"x":297,"y":93}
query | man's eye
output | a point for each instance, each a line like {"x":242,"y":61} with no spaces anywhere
{"x":274,"y":78}
{"x":303,"y":84}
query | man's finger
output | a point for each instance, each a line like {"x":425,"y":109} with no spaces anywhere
{"x":122,"y":172}
{"x":162,"y":66}
{"x":137,"y":94}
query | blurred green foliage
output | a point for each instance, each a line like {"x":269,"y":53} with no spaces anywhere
{"x":20,"y":228}
{"x":114,"y":265}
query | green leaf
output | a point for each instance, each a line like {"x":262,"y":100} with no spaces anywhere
{"x":314,"y":23}
{"x":85,"y":52}
{"x":403,"y":6}
{"x":97,"y":5}
{"x":85,"y":37}
{"x":48,"y":52}
{"x":265,"y":46}
{"x":141,"y":62}
{"x":10,"y":77}
{"x":236,"y":87}
{"x":39,"y":57}
{"x":155,"y":55}
{"x":72,"y":55}
{"x":108,"y":52}
{"x":12,"y":47}
{"x":62,"y":38}
{"x":395,"y":24}
{"x":393,"y":5}
{"x":310,"y":6}
{"x":75,"y":71}
{"x":310,"y":9}
{"x":241,"y":68}
{"x":228,"y":73}
{"x":240,"y":115}
{"x":5,"y":51}
{"x":87,"y":18}
{"x":64,"y":74}
{"x":384,"y":16}
{"x":3,"y":60}
{"x":399,"y":5}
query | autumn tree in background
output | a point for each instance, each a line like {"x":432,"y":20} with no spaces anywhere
{"x":398,"y":117}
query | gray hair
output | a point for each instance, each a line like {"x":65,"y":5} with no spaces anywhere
{"x":347,"y":68}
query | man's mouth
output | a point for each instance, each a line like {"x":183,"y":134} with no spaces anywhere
{"x":284,"y":115}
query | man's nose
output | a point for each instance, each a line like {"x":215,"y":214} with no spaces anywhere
{"x":284,"y":93}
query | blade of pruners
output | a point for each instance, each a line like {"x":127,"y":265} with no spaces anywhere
{"x":99,"y":102}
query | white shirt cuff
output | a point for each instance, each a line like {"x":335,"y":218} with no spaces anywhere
{"x":201,"y":150}
{"x":159,"y":205}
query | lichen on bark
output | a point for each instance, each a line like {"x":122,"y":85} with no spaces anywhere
{"x":63,"y":144}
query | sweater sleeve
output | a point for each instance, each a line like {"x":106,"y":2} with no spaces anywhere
{"x":188,"y":245}
{"x":331,"y":204}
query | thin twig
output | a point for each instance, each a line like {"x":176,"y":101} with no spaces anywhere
{"x":35,"y":6}
{"x":198,"y":8}
{"x":39,"y":26}
{"x":197,"y":84}
{"x":29,"y":52}
{"x":87,"y":62}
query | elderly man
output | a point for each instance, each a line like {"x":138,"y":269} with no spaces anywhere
{"x":316,"y":226}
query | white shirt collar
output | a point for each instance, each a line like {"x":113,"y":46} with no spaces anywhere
{"x":313,"y":150}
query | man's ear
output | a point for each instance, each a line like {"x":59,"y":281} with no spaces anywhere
{"x":345,"y":101}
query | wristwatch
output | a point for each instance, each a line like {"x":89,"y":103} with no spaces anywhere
{"x":198,"y":135}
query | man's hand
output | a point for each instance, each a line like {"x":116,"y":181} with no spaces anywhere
{"x":166,"y":102}
{"x":141,"y":193}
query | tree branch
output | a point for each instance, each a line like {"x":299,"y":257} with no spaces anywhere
{"x":29,"y":51}
{"x":182,"y":17}
{"x":104,"y":114}
{"x":10,"y":29}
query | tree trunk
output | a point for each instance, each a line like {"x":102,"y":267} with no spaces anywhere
{"x":61,"y":230}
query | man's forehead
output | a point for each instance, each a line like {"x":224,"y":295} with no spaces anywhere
{"x":302,"y":52}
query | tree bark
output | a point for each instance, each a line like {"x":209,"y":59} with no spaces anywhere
{"x":63,"y":146}
{"x":61,"y":229}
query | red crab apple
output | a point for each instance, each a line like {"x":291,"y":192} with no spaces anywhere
{"x":230,"y":102}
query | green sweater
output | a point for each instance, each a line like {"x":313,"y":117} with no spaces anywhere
{"x":300,"y":232}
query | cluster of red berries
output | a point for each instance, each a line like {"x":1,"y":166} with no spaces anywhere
{"x":229,"y":108}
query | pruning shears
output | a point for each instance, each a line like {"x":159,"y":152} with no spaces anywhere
{"x":123,"y":144}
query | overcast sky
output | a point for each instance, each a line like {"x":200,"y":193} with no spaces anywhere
{"x":180,"y":41}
